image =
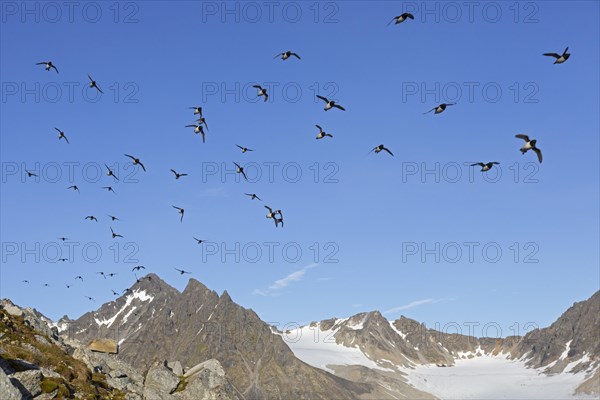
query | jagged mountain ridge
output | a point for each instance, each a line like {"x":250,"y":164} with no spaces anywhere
{"x":153,"y":322}
{"x":198,"y":324}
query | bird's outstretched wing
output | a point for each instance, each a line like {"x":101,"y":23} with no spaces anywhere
{"x":539,"y":154}
{"x":522,"y":136}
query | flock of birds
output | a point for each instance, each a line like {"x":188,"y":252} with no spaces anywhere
{"x":200,"y":125}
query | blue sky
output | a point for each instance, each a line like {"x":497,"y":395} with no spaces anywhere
{"x":375,"y":220}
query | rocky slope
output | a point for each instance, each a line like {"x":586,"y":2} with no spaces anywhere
{"x":35,"y":363}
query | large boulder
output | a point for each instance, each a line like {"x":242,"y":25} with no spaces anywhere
{"x":103,"y":346}
{"x":30,"y":380}
{"x":160,"y":382}
{"x":7,"y":389}
{"x":207,"y":381}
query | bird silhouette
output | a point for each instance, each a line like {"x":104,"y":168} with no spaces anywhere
{"x":560,"y":58}
{"x":177,"y":175}
{"x":240,"y":170}
{"x":48,"y":65}
{"x":287,"y":54}
{"x":261,"y":91}
{"x":380,"y":148}
{"x":136,"y":161}
{"x":530,"y":144}
{"x":93,"y":84}
{"x":181,"y":272}
{"x":401,"y":18}
{"x":330,"y":104}
{"x":440,"y":108}
{"x":181,"y":211}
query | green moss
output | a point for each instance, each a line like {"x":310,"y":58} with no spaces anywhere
{"x":181,"y":385}
{"x":49,"y":385}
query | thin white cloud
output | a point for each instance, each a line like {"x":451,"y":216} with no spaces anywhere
{"x":410,"y":305}
{"x":285,"y":282}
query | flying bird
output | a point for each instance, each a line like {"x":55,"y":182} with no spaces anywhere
{"x":485,"y":166}
{"x":401,"y":18}
{"x":112,"y":274}
{"x":380,"y":148}
{"x":261,"y":91}
{"x":93,"y":84}
{"x":240,"y":170}
{"x":253,"y":196}
{"x":244,"y":149}
{"x":181,"y":211}
{"x":63,"y":259}
{"x":278,"y":221}
{"x":199,"y":241}
{"x":46,"y":285}
{"x":110,"y":172}
{"x":91,"y":218}
{"x":102,"y":273}
{"x":322,"y":133}
{"x":113,"y":218}
{"x":560,"y":58}
{"x":530,"y":145}
{"x":30,"y":174}
{"x":177,"y":175}
{"x":48,"y":65}
{"x":25,"y":281}
{"x":114,"y":293}
{"x":79,"y":277}
{"x":197,"y":110}
{"x":439,"y":109}
{"x":181,"y":272}
{"x":287,"y":54}
{"x":198,"y":129}
{"x":114,"y":235}
{"x":68,"y":286}
{"x":61,"y":135}
{"x":202,"y":121}
{"x":63,"y":238}
{"x":330,"y":104}
{"x":89,"y":298}
{"x":139,"y":267}
{"x":74,"y":187}
{"x":109,"y":188}
{"x":273,"y":214}
{"x":136,"y":161}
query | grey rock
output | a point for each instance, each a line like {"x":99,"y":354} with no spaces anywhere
{"x":31,"y":380}
{"x":7,"y":389}
{"x":207,"y":381}
{"x":161,"y":379}
{"x":176,"y":368}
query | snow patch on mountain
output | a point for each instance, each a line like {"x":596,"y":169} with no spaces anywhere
{"x":318,"y":348}
{"x":493,"y":377}
{"x":138,"y":294}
